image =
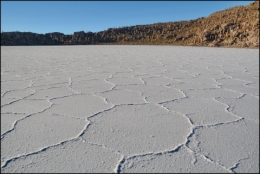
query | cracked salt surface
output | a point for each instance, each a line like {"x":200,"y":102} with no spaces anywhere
{"x":129,"y":109}
{"x":137,"y":129}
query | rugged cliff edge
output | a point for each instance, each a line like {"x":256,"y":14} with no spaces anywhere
{"x":234,"y":27}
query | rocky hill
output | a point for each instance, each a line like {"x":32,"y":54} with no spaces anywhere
{"x":234,"y":27}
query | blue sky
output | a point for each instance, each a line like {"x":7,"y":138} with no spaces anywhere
{"x":70,"y":16}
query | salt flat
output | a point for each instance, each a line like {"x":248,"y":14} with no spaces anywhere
{"x":129,"y":109}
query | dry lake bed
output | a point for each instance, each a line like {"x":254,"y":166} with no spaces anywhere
{"x":129,"y":109}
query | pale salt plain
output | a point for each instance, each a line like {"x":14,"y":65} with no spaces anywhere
{"x":129,"y":109}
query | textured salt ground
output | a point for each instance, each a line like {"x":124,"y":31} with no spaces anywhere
{"x":129,"y":109}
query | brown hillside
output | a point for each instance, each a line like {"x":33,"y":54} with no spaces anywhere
{"x":237,"y":26}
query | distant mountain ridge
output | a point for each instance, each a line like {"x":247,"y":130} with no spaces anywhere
{"x":234,"y":27}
